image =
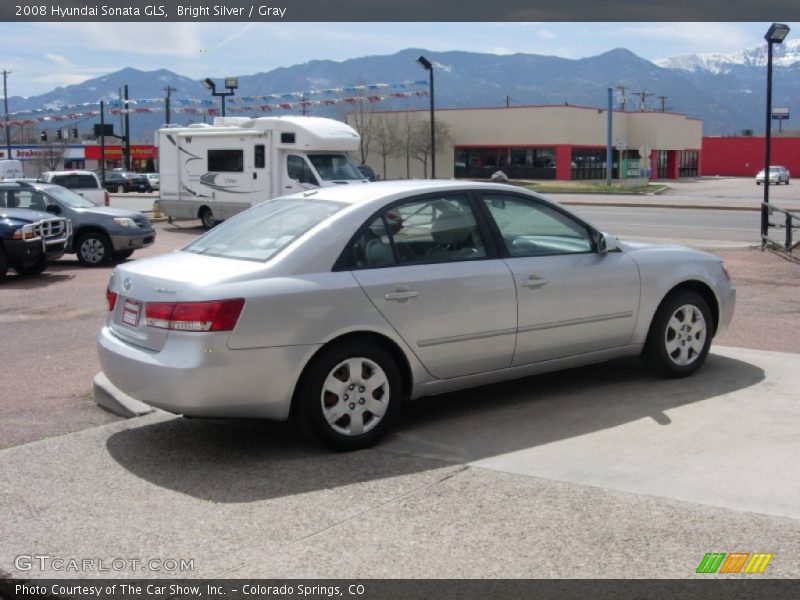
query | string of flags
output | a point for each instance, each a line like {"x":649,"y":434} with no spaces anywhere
{"x":214,"y":111}
{"x":118,"y":104}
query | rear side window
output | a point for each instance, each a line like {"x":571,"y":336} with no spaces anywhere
{"x":231,"y":161}
{"x":76,"y":181}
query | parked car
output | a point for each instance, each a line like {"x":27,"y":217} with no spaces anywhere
{"x":30,"y":240}
{"x":99,"y":233}
{"x":367,"y":172}
{"x":154,"y":180}
{"x":126,"y":181}
{"x":777,"y":175}
{"x":83,"y":183}
{"x":344,"y":301}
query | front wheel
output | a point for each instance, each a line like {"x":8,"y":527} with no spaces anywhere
{"x":351,"y":395}
{"x":680,"y":335}
{"x":36,"y":268}
{"x":93,"y":249}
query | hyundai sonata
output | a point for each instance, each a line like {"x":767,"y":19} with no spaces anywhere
{"x":338,"y":304}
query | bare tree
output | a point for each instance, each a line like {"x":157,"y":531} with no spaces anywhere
{"x":385,"y":136}
{"x":51,"y":155}
{"x":406,"y":135}
{"x":363,"y":120}
{"x":421,"y":141}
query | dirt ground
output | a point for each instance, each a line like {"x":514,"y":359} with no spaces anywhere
{"x":767,"y":315}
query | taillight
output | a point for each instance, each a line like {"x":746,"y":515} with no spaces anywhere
{"x":106,"y":199}
{"x":111,"y":298}
{"x":214,"y":315}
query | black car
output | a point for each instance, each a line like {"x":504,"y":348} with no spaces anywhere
{"x":30,"y":240}
{"x":126,"y":181}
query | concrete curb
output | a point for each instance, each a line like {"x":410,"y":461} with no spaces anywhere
{"x":114,"y":400}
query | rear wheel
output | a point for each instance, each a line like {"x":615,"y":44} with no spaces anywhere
{"x":93,"y":249}
{"x":351,"y":395}
{"x":680,"y":335}
{"x":207,"y":218}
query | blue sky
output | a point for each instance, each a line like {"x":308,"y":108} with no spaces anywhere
{"x":43,"y":56}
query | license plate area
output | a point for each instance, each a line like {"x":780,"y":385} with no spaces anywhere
{"x":131,"y":313}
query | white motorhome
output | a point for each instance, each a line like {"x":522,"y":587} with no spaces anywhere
{"x":11,"y":169}
{"x":212,"y":172}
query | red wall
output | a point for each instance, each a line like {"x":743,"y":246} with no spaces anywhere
{"x":744,"y":156}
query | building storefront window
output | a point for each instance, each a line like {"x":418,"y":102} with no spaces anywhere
{"x":660,"y":166}
{"x":517,"y":163}
{"x":688,"y":163}
{"x":589,"y":163}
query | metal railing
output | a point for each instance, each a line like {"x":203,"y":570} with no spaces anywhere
{"x":789,"y":225}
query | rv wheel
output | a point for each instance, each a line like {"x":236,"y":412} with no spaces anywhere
{"x":207,"y":218}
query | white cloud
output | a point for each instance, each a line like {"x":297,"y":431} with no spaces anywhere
{"x":61,"y":79}
{"x":58,"y":59}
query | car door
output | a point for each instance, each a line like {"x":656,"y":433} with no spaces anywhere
{"x":572,"y":299}
{"x":425,"y":265}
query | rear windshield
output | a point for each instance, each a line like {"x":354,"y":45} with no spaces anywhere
{"x":76,"y":181}
{"x":262,"y":231}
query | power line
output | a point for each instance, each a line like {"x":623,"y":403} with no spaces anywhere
{"x":642,"y":99}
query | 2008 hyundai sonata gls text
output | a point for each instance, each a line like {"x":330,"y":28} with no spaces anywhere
{"x":343,"y":302}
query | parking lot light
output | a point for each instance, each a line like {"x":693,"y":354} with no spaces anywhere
{"x":775,"y":35}
{"x":428,"y":66}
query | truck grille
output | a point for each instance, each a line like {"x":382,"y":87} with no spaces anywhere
{"x":50,"y":229}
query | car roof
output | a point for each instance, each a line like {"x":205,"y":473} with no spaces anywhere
{"x":366,"y":193}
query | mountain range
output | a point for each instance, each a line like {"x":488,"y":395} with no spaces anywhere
{"x":725,"y":91}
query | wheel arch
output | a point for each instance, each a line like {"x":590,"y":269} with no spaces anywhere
{"x":84,"y":229}
{"x":704,"y":290}
{"x":379,"y":339}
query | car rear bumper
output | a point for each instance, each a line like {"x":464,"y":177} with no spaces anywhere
{"x":197,"y":375}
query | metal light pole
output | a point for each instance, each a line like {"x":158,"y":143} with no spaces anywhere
{"x":428,"y":66}
{"x":775,"y":35}
{"x":232,"y":83}
{"x":5,"y":104}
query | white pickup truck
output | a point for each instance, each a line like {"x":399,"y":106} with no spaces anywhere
{"x":85,"y":183}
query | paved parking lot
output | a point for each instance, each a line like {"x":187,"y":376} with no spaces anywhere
{"x":600,"y":471}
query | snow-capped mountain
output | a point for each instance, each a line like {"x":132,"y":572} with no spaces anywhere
{"x":784,"y":55}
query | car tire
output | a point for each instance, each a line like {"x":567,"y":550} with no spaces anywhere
{"x":3,"y":263}
{"x":36,"y":268}
{"x":207,"y":218}
{"x":680,"y":335}
{"x":348,"y":410}
{"x":120,"y":189}
{"x":93,"y":249}
{"x":122,"y":255}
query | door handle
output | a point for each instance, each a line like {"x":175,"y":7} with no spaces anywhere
{"x":401,"y":295}
{"x":533,"y":282}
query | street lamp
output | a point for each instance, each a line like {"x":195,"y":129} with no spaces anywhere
{"x":230,"y":82}
{"x":428,"y":66}
{"x":775,"y":35}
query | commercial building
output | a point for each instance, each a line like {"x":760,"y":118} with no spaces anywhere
{"x":744,"y":156}
{"x":560,"y":142}
{"x":54,"y":156}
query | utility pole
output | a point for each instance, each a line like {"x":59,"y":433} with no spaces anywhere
{"x":642,"y":99}
{"x":623,"y":98}
{"x":169,"y":89}
{"x":663,"y":103}
{"x":5,"y":105}
{"x":102,"y":142}
{"x":126,"y":148}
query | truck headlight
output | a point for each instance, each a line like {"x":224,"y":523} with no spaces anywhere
{"x":125,"y":222}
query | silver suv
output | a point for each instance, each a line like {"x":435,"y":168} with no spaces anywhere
{"x":100,"y":234}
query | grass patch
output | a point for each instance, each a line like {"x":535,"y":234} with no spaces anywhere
{"x":591,"y":187}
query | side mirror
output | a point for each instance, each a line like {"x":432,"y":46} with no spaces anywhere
{"x":606,"y":243}
{"x":54,"y":208}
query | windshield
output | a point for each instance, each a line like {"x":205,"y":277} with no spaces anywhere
{"x":70,"y":198}
{"x":257,"y":234}
{"x":775,"y":169}
{"x":334,"y":167}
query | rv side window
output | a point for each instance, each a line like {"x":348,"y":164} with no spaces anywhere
{"x":226,"y":160}
{"x":287,"y":137}
{"x":259,"y":159}
{"x":299,"y":170}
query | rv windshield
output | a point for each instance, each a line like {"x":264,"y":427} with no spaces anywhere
{"x":334,"y":167}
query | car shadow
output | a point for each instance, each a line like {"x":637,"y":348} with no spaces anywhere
{"x":49,"y":277}
{"x":239,"y":462}
{"x":193,"y":229}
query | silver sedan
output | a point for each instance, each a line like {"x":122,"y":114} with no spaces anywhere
{"x":338,"y":304}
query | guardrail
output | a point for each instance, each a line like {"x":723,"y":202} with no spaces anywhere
{"x":789,"y":224}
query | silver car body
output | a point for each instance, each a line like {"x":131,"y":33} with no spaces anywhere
{"x":470,"y":323}
{"x":777,"y":175}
